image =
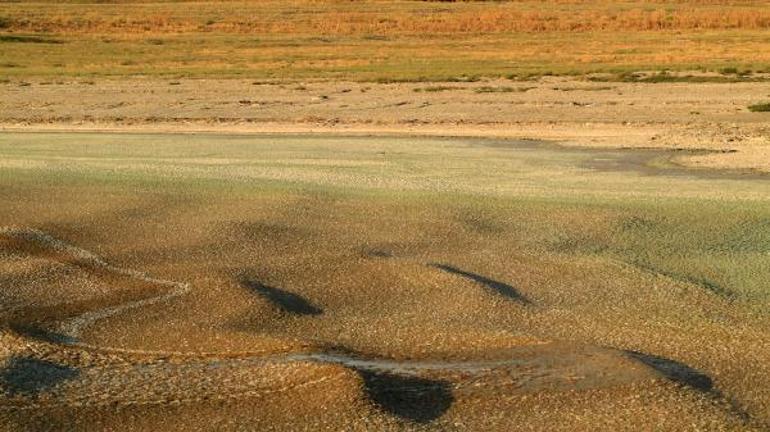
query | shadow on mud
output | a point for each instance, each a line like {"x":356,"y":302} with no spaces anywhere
{"x":286,"y":301}
{"x":39,"y":332}
{"x":29,"y":376}
{"x":500,"y":287}
{"x":675,"y":371}
{"x":687,"y":376}
{"x":411,"y":398}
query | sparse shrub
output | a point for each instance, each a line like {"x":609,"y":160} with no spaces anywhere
{"x":597,"y":88}
{"x":761,"y":107}
{"x":490,"y":89}
{"x":464,"y":78}
{"x":434,"y":89}
{"x":729,"y":71}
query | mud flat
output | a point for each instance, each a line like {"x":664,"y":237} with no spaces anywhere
{"x":574,"y":111}
{"x":398,"y":283}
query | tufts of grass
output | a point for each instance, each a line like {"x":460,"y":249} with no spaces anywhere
{"x":668,"y":77}
{"x":384,"y":41}
{"x":489,"y":89}
{"x":761,"y":107}
{"x":502,"y":89}
{"x":425,"y":78}
{"x":28,"y":39}
{"x":597,"y":88}
{"x":434,"y":89}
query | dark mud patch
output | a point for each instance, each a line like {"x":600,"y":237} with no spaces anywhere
{"x":501,"y":288}
{"x":644,"y":161}
{"x":284,"y":300}
{"x":652,"y":162}
{"x":261,"y":231}
{"x":27,"y":376}
{"x":378,"y":253}
{"x":419,"y":400}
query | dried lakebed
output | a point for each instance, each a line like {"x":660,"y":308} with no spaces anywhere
{"x":241,"y":282}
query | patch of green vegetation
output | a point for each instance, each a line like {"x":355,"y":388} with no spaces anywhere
{"x":502,"y":89}
{"x":434,"y":89}
{"x":761,"y":107}
{"x":729,"y":71}
{"x":425,"y":78}
{"x":488,"y":89}
{"x":668,"y":77}
{"x":596,"y":88}
{"x":6,"y":38}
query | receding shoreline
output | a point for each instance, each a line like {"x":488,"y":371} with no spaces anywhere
{"x":710,"y":117}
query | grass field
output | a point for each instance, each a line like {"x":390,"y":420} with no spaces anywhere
{"x":381,"y":41}
{"x":399,"y":248}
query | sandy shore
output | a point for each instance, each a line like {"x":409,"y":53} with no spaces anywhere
{"x":570,"y":111}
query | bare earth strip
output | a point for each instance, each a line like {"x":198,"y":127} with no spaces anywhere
{"x":573,"y":112}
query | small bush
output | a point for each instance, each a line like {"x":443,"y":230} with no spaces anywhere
{"x":489,"y":89}
{"x":434,"y":89}
{"x":762,"y":107}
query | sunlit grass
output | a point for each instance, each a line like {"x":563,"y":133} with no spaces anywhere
{"x":383,"y":41}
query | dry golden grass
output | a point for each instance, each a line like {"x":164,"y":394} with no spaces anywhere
{"x":371,"y":40}
{"x":385,"y":18}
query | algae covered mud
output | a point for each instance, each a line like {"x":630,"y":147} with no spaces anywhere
{"x":318,"y":282}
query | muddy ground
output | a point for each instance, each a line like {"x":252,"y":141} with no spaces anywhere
{"x":295,"y":282}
